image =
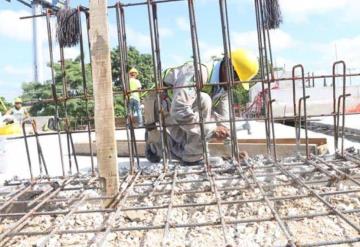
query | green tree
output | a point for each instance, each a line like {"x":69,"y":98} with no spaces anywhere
{"x":73,"y":74}
{"x":142,"y":62}
{"x":4,"y":105}
{"x":76,"y":108}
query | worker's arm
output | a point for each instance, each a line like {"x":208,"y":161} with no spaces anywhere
{"x":182,"y":111}
{"x":26,"y":114}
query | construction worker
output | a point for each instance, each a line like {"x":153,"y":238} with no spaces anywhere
{"x":134,"y":104}
{"x":185,"y":139}
{"x":18,"y":113}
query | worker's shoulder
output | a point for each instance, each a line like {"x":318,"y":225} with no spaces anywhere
{"x":134,"y":80}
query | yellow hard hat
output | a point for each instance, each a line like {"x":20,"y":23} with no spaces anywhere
{"x":246,"y":66}
{"x":18,"y":100}
{"x":133,"y":70}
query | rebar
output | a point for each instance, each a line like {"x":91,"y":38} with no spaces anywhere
{"x":261,"y":181}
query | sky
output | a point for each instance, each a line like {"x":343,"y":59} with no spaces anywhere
{"x":313,"y":33}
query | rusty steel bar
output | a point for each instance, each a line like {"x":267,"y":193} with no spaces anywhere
{"x":303,"y":99}
{"x":169,"y":208}
{"x":18,"y":193}
{"x":214,"y":203}
{"x":65,"y":95}
{"x":193,"y":225}
{"x":26,"y":218}
{"x":230,"y":77}
{"x":262,"y":74}
{"x":297,"y":119}
{"x":193,"y":191}
{"x":100,"y":240}
{"x":206,"y":122}
{"x":27,"y":149}
{"x":313,"y":192}
{"x":268,"y":72}
{"x":156,"y":59}
{"x":198,"y":76}
{"x":85,"y":90}
{"x":287,"y":233}
{"x":53,"y":89}
{"x":214,"y":189}
{"x":81,"y":198}
{"x":186,"y":205}
{"x":343,"y":174}
{"x":121,"y":31}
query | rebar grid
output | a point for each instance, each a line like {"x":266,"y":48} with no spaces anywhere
{"x":138,"y":208}
{"x":185,"y":204}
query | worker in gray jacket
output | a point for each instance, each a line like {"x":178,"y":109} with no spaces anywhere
{"x":182,"y":109}
{"x":186,"y":139}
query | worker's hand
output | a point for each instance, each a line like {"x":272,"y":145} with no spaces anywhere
{"x":221,"y":132}
{"x":243,"y":155}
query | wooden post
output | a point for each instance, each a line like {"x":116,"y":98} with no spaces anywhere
{"x":103,"y":95}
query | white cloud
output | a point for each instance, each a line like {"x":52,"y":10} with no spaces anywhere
{"x":300,"y":11}
{"x":280,"y":40}
{"x":165,"y":32}
{"x":138,"y":39}
{"x":351,"y":11}
{"x":12,"y":70}
{"x":134,"y":38}
{"x":12,"y":27}
{"x":183,"y":24}
{"x":209,"y":50}
{"x":347,"y":49}
{"x":319,"y":57}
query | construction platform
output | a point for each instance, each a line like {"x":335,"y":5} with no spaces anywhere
{"x":313,"y":202}
{"x":254,"y":142}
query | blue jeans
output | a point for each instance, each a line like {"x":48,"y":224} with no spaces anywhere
{"x":134,"y":106}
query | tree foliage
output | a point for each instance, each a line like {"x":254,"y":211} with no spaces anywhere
{"x":76,"y":108}
{"x":142,"y":62}
{"x":6,"y":104}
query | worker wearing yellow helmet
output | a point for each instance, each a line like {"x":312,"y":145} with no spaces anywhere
{"x":244,"y":68}
{"x":183,"y":114}
{"x":134,"y":104}
{"x":17,"y":113}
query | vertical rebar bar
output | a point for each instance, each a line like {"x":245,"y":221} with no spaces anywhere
{"x":85,"y":89}
{"x":155,"y":50}
{"x":168,"y":214}
{"x":39,"y":149}
{"x":302,"y":99}
{"x":296,"y":124}
{"x":262,"y":75}
{"x":198,"y":76}
{"x":65,"y":95}
{"x":27,"y":150}
{"x":229,"y":76}
{"x":53,"y":86}
{"x":268,"y":72}
{"x":121,"y":29}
